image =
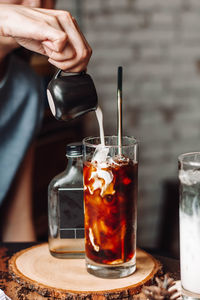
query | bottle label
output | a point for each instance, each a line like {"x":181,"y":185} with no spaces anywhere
{"x":71,"y":213}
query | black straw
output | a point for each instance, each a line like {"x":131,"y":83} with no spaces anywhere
{"x":119,"y":108}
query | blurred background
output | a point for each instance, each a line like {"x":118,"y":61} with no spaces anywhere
{"x":158,"y":44}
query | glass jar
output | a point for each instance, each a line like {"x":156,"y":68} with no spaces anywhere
{"x":65,"y":207}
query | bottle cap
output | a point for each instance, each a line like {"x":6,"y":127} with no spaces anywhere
{"x":74,"y":149}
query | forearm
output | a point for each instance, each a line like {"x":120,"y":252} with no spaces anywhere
{"x":7,"y":43}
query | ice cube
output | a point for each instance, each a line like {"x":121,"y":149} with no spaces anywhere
{"x":189,"y":177}
{"x":100,"y":154}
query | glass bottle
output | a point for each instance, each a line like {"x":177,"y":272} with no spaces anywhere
{"x":65,"y":207}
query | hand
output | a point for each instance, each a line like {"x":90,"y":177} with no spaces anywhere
{"x":50,"y":32}
{"x":8,"y":44}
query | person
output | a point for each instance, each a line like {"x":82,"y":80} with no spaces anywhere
{"x":34,"y":25}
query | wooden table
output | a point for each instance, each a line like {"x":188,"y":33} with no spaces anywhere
{"x":17,"y":291}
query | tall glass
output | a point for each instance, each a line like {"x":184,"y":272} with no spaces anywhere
{"x":110,"y":197}
{"x":189,"y":212}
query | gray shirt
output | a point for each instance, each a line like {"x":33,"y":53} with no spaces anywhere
{"x":21,"y":111}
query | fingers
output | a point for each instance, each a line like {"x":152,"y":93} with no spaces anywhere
{"x":51,"y":32}
{"x":77,"y":52}
{"x":49,"y":36}
{"x":32,"y":45}
{"x":25,"y":22}
{"x":75,"y":38}
{"x":86,"y":43}
{"x":68,"y":66}
{"x":66,"y":54}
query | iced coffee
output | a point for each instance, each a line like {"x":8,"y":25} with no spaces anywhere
{"x":110,"y":196}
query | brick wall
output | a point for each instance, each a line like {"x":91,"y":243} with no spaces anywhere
{"x":158,"y":44}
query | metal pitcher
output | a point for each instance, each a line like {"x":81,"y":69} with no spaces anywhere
{"x":71,"y":95}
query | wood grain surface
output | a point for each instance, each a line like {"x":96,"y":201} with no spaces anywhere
{"x":37,"y":271}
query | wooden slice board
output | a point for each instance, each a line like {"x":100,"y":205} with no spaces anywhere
{"x":37,"y":270}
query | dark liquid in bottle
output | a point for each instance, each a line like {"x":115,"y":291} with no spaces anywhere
{"x":110,"y":211}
